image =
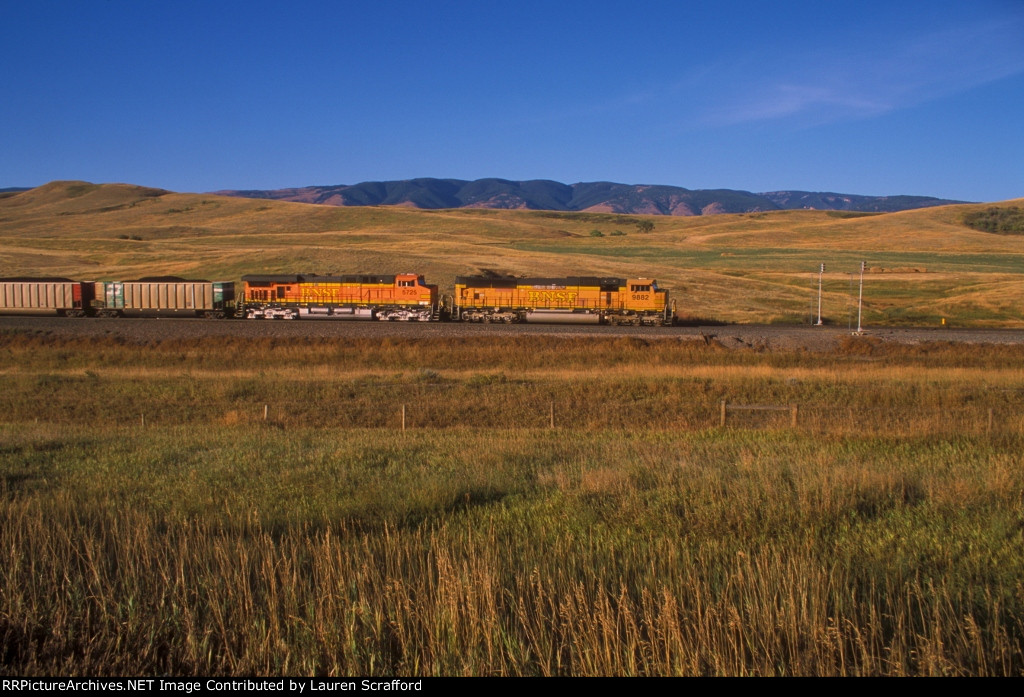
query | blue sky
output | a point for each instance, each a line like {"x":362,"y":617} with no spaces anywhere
{"x":879,"y":98}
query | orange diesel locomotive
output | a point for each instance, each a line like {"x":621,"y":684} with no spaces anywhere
{"x":403,"y":297}
{"x":577,"y":300}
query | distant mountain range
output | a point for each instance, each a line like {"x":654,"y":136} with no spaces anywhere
{"x":600,"y":197}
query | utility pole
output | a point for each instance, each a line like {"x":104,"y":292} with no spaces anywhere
{"x":849,"y":305}
{"x":820,"y":272}
{"x":860,"y":298}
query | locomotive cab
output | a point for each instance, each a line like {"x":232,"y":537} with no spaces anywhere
{"x":413,"y":289}
{"x":640,"y":301}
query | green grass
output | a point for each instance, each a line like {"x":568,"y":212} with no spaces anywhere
{"x":751,"y":260}
{"x":1003,"y":221}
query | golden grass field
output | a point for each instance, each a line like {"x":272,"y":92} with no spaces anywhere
{"x":923,"y":265}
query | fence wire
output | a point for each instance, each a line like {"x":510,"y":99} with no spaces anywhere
{"x":502,"y":405}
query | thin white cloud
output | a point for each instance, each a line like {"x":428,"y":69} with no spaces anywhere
{"x":872,"y":80}
{"x":839,"y":83}
{"x":792,"y":99}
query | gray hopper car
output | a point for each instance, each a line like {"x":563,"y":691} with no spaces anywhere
{"x":45,"y":296}
{"x":164,"y":297}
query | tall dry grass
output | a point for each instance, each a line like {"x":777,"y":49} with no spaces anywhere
{"x":757,"y":555}
{"x":508,"y":383}
{"x":628,"y":540}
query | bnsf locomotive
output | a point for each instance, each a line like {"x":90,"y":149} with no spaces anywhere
{"x":404,"y":297}
{"x":576,"y":300}
{"x":400,"y":297}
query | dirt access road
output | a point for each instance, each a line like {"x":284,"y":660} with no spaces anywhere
{"x":763,"y":337}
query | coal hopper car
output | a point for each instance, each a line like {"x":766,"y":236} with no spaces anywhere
{"x":163,"y":297}
{"x":45,"y":296}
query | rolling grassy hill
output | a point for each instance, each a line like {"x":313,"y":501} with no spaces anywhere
{"x":923,"y":265}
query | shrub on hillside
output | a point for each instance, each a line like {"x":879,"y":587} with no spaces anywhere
{"x":1003,"y":221}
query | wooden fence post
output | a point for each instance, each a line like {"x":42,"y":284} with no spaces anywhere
{"x":721,"y":422}
{"x":792,"y":415}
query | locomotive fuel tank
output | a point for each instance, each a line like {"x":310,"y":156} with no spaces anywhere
{"x":561,"y":317}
